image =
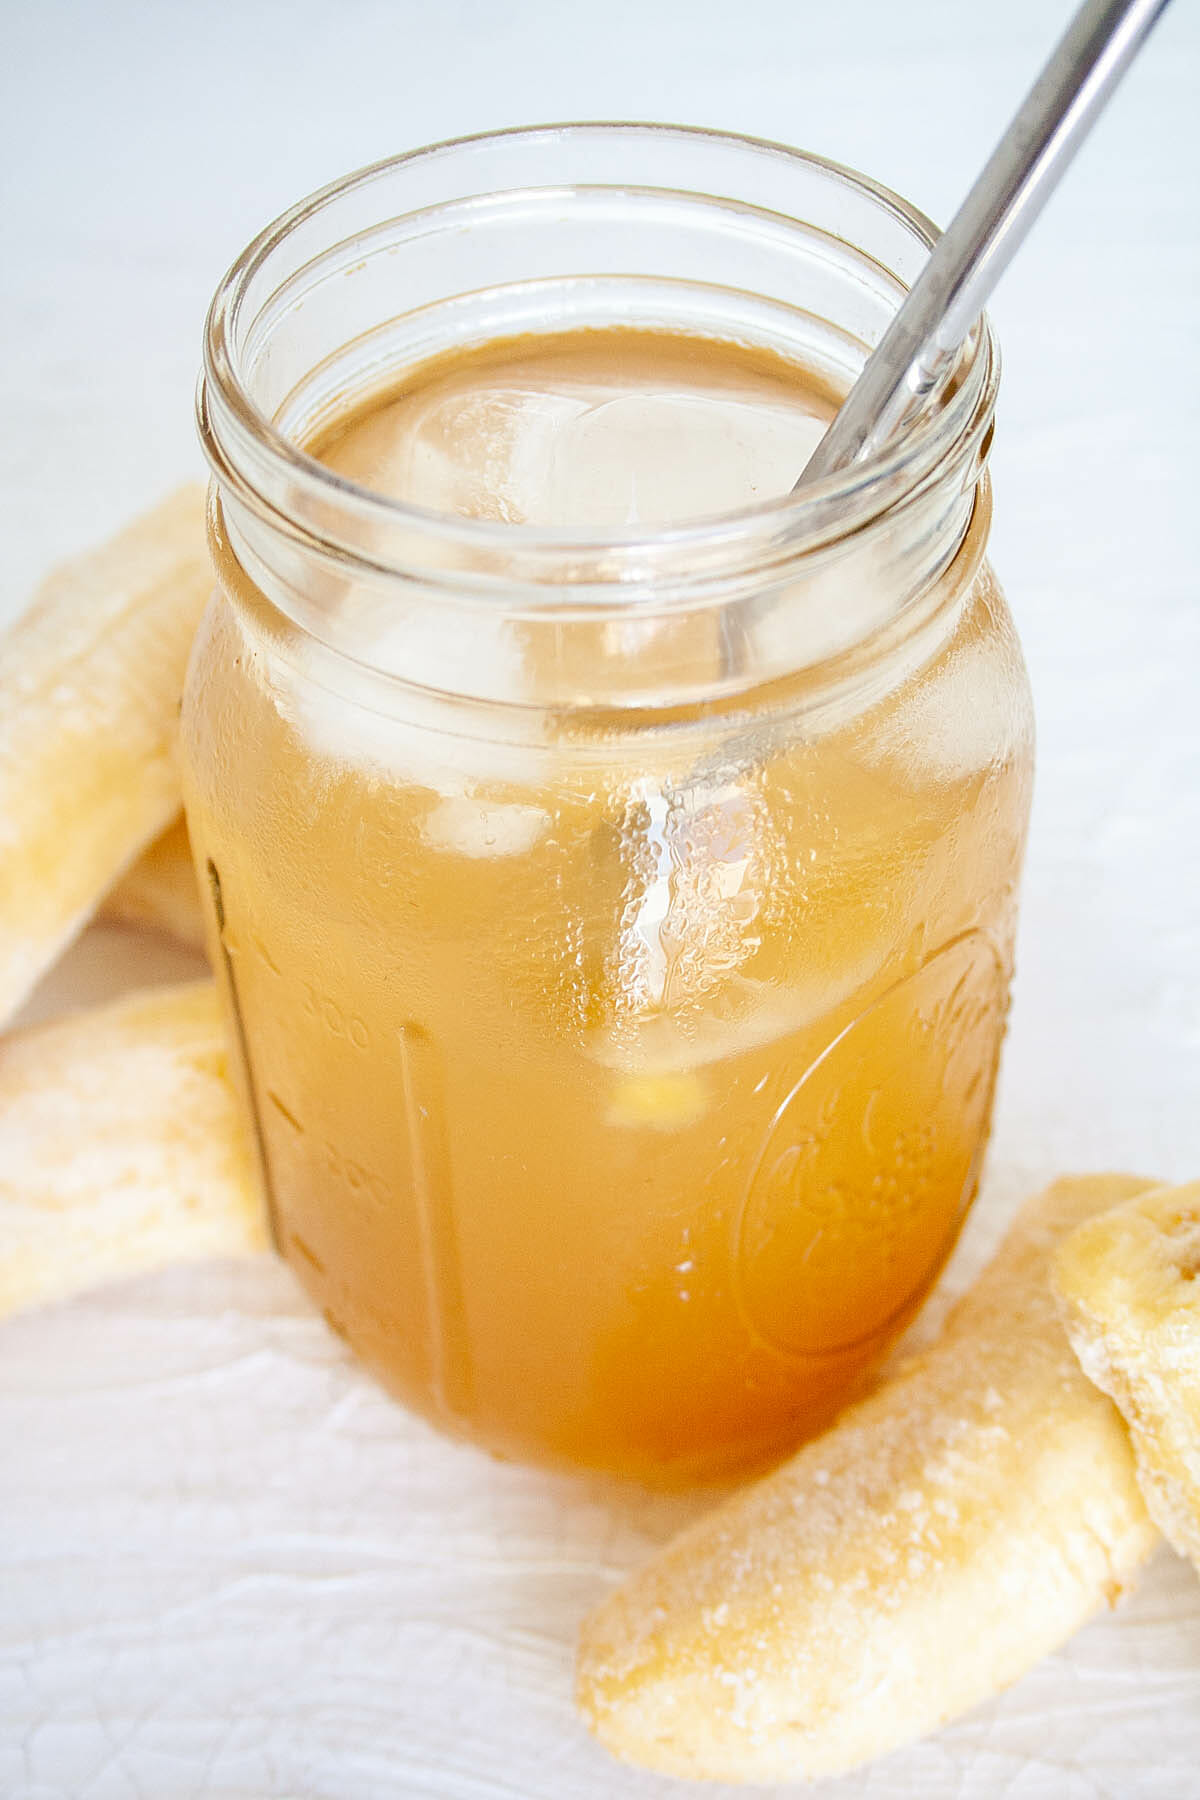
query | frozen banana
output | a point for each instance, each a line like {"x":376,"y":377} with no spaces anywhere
{"x":90,"y":682}
{"x":1129,"y":1285}
{"x":121,"y":1148}
{"x":941,"y":1537}
{"x":160,"y":892}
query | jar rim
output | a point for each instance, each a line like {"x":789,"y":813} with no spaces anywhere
{"x":951,"y":427}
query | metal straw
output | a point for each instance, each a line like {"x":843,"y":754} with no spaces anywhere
{"x":969,"y":258}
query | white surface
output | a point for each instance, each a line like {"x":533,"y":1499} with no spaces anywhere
{"x":228,"y":1567}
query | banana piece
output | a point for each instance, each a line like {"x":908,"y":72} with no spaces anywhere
{"x":90,"y":681}
{"x":1129,"y":1286}
{"x":941,"y":1537}
{"x":160,"y":892}
{"x":121,"y":1148}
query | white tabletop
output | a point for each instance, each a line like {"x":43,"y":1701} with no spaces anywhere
{"x":229,"y":1567}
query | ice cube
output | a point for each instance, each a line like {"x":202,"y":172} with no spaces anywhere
{"x":658,"y":457}
{"x":462,"y":826}
{"x":479,"y":452}
{"x":395,"y":746}
{"x":658,"y":1102}
{"x":752,"y":1015}
{"x":954,"y":720}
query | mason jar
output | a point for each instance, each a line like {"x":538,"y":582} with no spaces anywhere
{"x":615,"y":925}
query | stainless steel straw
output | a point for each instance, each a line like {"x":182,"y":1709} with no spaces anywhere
{"x":987,"y":230}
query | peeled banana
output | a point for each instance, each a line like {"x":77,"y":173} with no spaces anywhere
{"x":90,"y":682}
{"x":121,"y":1148}
{"x":940,"y":1538}
{"x":1129,"y":1284}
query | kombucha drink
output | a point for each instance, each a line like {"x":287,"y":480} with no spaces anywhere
{"x":620,"y":1087}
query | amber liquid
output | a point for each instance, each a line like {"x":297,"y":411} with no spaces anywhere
{"x":617,"y":1108}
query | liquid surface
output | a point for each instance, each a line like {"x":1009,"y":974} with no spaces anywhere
{"x":596,"y":428}
{"x":619,"y":1098}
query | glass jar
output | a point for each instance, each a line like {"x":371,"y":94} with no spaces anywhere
{"x":616,"y":929}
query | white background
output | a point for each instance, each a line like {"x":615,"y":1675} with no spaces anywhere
{"x":227,"y":1566}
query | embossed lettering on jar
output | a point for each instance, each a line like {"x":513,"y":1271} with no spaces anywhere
{"x":611,"y":857}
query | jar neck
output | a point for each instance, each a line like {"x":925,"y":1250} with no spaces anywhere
{"x":509,"y":670}
{"x":803,"y":589}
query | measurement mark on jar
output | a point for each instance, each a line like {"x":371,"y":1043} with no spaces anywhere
{"x":310,"y":1256}
{"x":264,"y":955}
{"x":446,"y":1330}
{"x":285,"y":1112}
{"x":335,"y":1324}
{"x":264,"y":1167}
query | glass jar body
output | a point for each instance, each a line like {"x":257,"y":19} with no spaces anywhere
{"x":618,"y":1100}
{"x":620,"y":1071}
